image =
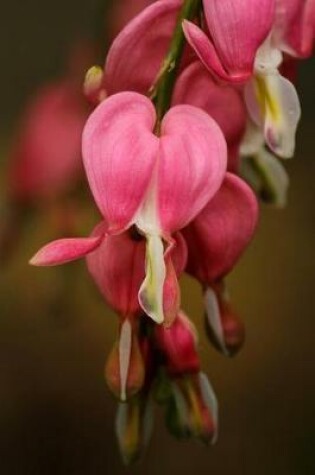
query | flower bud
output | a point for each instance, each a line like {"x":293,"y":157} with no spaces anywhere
{"x":224,"y":327}
{"x":134,"y":424}
{"x":177,"y":345}
{"x":125,"y":370}
{"x":193,"y":410}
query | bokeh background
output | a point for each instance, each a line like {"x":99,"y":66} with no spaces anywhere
{"x":56,"y":414}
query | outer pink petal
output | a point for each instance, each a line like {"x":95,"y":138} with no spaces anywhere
{"x":66,"y":250}
{"x":207,"y":54}
{"x":193,"y":159}
{"x":224,"y":104}
{"x":117,"y":268}
{"x":178,"y":346}
{"x":119,"y":151}
{"x":137,"y":53}
{"x":219,"y":235}
{"x":238,"y":28}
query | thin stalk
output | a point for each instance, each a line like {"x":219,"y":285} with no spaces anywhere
{"x":162,"y":90}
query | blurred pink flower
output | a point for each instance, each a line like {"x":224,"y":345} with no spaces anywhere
{"x":295,"y":27}
{"x":46,"y":156}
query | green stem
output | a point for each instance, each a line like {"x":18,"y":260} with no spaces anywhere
{"x":162,"y":90}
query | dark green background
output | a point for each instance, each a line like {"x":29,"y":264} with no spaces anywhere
{"x":56,"y":415}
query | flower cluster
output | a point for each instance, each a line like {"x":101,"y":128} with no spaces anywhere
{"x":192,"y":93}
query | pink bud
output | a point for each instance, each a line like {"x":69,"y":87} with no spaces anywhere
{"x":177,"y":345}
{"x":220,"y":234}
{"x":125,"y":370}
{"x":196,"y":86}
{"x":237,"y":29}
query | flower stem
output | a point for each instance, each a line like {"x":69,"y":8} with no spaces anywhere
{"x":162,"y":90}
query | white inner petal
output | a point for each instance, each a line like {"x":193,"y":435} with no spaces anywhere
{"x":211,"y":402}
{"x":125,"y":348}
{"x":214,"y":318}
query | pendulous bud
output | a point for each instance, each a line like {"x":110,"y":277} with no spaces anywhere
{"x":134,"y":424}
{"x":125,"y":368}
{"x":224,"y":327}
{"x":192,"y":411}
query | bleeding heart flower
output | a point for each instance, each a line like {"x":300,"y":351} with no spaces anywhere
{"x":196,"y":86}
{"x":158,"y":180}
{"x":216,"y":239}
{"x":46,"y":157}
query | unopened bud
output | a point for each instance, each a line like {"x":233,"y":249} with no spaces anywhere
{"x":178,"y":346}
{"x":193,"y":410}
{"x":93,"y":87}
{"x":224,"y":327}
{"x":134,"y":424}
{"x":125,"y":371}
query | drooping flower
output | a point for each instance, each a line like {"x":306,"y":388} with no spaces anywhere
{"x":46,"y":156}
{"x":159,"y":183}
{"x":216,"y":239}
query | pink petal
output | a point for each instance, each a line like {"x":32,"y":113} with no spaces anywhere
{"x":137,"y":53}
{"x":66,"y":250}
{"x":207,"y":54}
{"x":117,"y":267}
{"x":193,"y":159}
{"x":119,"y":151}
{"x":195,"y":86}
{"x":178,"y":346}
{"x":219,"y":235}
{"x":238,"y":28}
